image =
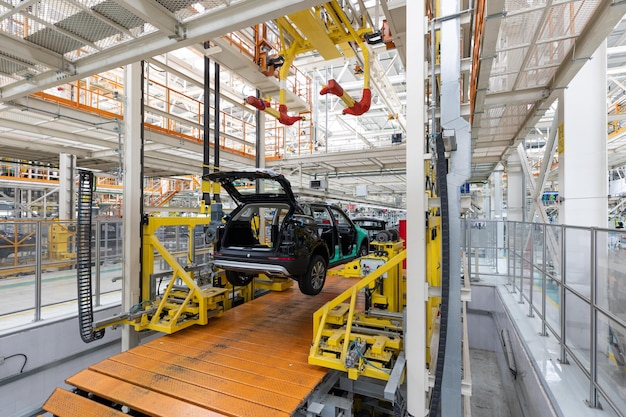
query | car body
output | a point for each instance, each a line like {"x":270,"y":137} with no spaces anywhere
{"x":377,"y":230}
{"x":373,"y":225}
{"x":271,"y":233}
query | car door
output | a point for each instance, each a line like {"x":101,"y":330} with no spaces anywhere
{"x":327,"y":230}
{"x":346,"y":231}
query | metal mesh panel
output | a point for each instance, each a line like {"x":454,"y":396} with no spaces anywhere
{"x":118,"y":14}
{"x":567,"y":19}
{"x":519,"y":29}
{"x":12,"y":65}
{"x":5,"y":80}
{"x":54,"y":41}
{"x":87,"y":27}
{"x":18,"y":24}
{"x":186,"y":9}
{"x":53,"y":11}
{"x":549,"y":54}
{"x":175,"y":5}
{"x":501,"y":83}
{"x":495,"y":112}
{"x":517,"y":110}
{"x":509,"y":61}
{"x":536,"y":77}
{"x":518,"y":5}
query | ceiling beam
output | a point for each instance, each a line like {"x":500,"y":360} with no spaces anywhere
{"x":599,"y":26}
{"x":153,"y":13}
{"x":29,"y":52}
{"x":218,"y":23}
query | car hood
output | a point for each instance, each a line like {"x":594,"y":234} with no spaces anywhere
{"x":241,"y":185}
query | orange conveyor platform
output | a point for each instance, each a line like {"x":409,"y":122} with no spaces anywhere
{"x":252,"y":361}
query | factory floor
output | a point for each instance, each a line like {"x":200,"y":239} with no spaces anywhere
{"x":488,"y":397}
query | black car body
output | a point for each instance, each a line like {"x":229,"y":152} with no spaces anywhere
{"x":271,"y":233}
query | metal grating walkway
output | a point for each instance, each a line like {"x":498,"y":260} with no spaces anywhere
{"x":250,"y":362}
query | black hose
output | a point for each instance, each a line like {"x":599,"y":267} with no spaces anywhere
{"x":18,"y":354}
{"x":442,"y":191}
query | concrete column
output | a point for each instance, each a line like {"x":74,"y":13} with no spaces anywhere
{"x":133,"y":197}
{"x":496,"y":204}
{"x":583,"y":180}
{"x":487,"y":202}
{"x":515,"y":193}
{"x":583,"y":188}
{"x":67,"y":163}
{"x":415,"y":328}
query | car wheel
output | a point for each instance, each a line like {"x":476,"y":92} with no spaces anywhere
{"x":363,"y":251}
{"x":312,"y":281}
{"x":238,"y":279}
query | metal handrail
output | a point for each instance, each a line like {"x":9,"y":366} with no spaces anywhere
{"x":522,"y":242}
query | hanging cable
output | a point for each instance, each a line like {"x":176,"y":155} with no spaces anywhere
{"x":15,"y":355}
{"x":442,"y":188}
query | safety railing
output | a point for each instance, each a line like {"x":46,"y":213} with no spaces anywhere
{"x":38,"y":266}
{"x":574,"y":280}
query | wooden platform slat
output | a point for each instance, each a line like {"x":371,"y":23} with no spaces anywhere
{"x":299,"y":376}
{"x":219,"y":371}
{"x":137,"y":398}
{"x":252,"y":361}
{"x":236,"y":389}
{"x":63,"y":403}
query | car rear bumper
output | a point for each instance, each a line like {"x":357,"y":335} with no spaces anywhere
{"x":253,"y":268}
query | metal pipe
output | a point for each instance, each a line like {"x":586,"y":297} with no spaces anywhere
{"x":468,"y":246}
{"x":544,"y":280}
{"x":593,"y":339}
{"x":97,"y":289}
{"x":562,"y":322}
{"x":38,"y":279}
{"x":531,"y":278}
{"x":508,"y":254}
{"x":257,"y":133}
{"x":206,"y":130}
{"x":216,"y":119}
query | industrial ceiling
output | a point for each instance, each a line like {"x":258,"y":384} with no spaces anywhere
{"x":527,"y":51}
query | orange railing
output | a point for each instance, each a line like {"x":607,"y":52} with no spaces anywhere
{"x":181,"y":115}
{"x":479,"y":21}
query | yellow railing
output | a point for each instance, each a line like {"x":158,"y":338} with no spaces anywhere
{"x":325,"y":317}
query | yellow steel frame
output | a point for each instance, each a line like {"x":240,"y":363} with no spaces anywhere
{"x":197,"y":304}
{"x":176,"y":308}
{"x":334,"y":331}
{"x":320,"y":36}
{"x":433,"y":276}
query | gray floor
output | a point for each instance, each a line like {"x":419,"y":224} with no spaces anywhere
{"x":488,"y":399}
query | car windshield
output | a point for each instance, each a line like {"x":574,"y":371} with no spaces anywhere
{"x":370,"y":223}
{"x":247,"y":186}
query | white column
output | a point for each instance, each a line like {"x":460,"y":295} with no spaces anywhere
{"x":67,"y":164}
{"x":415,"y":348}
{"x":583,"y":179}
{"x":583,"y":188}
{"x":515,"y":192}
{"x":496,"y":204}
{"x":133,"y":198}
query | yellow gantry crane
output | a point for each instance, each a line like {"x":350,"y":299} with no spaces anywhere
{"x":327,"y":30}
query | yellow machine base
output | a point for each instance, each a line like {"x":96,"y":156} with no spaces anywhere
{"x":252,"y":361}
